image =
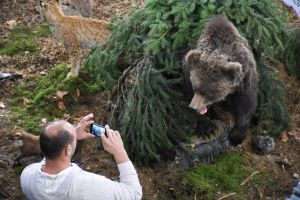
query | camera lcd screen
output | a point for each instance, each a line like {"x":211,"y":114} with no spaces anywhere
{"x":97,"y":130}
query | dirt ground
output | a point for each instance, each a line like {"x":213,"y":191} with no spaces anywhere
{"x":91,"y":155}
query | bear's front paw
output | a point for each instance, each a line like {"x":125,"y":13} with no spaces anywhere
{"x":237,"y":136}
{"x":206,"y":128}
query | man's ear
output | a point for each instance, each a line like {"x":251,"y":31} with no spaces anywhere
{"x":68,"y":150}
{"x":233,"y":72}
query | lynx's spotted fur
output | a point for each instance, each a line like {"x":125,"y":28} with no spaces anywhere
{"x":75,"y":32}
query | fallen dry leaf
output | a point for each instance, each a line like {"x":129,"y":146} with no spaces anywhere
{"x":61,"y":94}
{"x":44,"y":120}
{"x":67,"y":116}
{"x":292,"y":133}
{"x":295,"y":134}
{"x":297,"y":176}
{"x":11,"y":24}
{"x":77,"y":118}
{"x":25,"y":101}
{"x":284,"y":137}
{"x":61,"y":106}
{"x":267,"y":122}
{"x":2,"y":105}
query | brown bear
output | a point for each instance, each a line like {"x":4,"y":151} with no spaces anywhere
{"x":223,"y":68}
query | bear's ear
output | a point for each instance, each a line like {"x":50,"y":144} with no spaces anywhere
{"x":192,"y":58}
{"x":233,"y":72}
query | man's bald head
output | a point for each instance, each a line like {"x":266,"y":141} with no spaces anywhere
{"x":54,"y":138}
{"x":52,"y":128}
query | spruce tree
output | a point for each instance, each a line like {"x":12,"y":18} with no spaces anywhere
{"x":141,"y":65}
{"x":292,"y":49}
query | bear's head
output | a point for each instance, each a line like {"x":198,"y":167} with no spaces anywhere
{"x":212,"y":76}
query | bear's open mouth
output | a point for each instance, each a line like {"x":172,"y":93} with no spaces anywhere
{"x":202,"y":111}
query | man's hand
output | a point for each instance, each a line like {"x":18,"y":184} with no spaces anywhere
{"x":113,"y":144}
{"x":81,"y":134}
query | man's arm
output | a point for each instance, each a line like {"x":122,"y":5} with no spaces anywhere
{"x":113,"y":144}
{"x":129,"y":186}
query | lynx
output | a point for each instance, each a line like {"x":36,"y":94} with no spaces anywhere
{"x":75,"y":32}
{"x":28,"y":143}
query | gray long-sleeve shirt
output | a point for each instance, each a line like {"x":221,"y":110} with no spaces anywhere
{"x":296,"y":193}
{"x":75,"y":183}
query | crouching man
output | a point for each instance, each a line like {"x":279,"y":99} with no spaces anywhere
{"x":56,"y":177}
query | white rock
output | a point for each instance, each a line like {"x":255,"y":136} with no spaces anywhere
{"x":297,"y":176}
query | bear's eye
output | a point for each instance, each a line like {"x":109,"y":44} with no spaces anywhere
{"x":209,"y":97}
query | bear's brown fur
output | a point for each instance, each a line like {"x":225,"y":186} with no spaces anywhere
{"x":222,"y":67}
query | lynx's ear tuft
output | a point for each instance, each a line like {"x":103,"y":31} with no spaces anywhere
{"x":42,"y":3}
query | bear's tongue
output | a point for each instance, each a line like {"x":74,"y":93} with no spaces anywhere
{"x":202,"y":111}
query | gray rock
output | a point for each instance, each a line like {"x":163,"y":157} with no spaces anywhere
{"x":263,"y":145}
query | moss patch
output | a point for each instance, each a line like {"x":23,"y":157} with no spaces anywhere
{"x":18,"y":170}
{"x":42,"y":31}
{"x":225,"y":176}
{"x":36,"y":98}
{"x":23,"y":39}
